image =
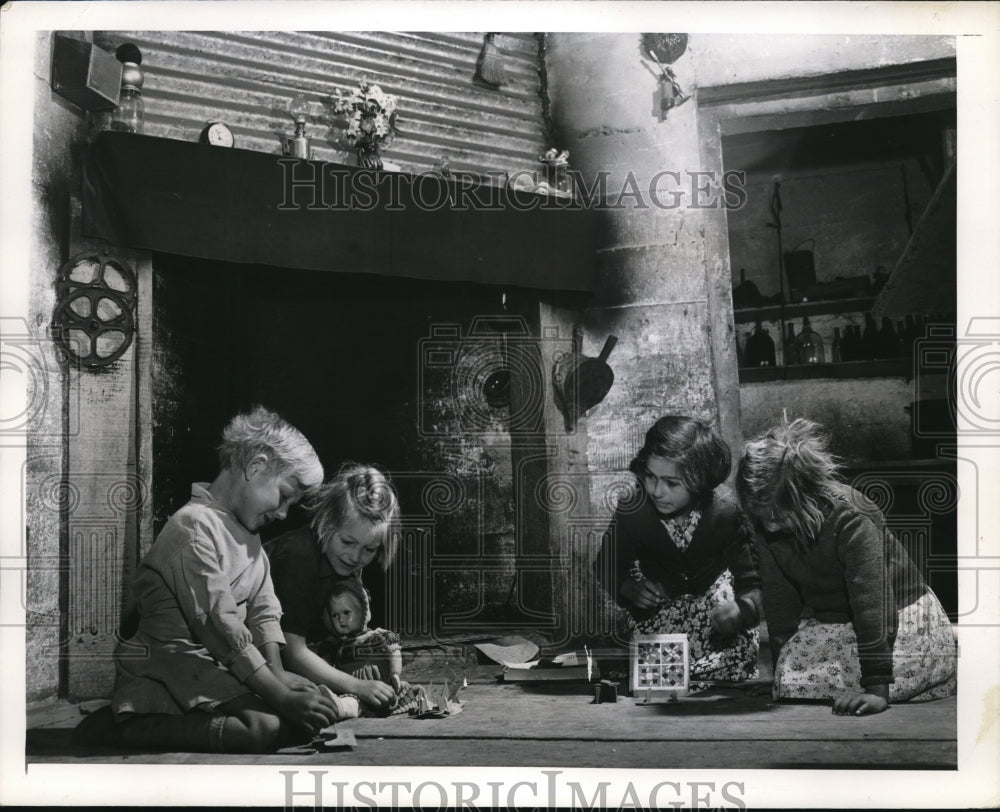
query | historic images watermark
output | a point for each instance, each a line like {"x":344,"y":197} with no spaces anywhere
{"x":319,"y":789}
{"x":315,"y":186}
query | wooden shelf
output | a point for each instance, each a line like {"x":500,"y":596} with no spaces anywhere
{"x":887,"y":368}
{"x":776,"y":312}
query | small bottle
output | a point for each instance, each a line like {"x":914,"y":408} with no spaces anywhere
{"x":888,"y":343}
{"x":859,"y":354}
{"x":846,"y":342}
{"x":869,"y":340}
{"x":849,"y":345}
{"x":747,"y":354}
{"x":760,"y":348}
{"x":835,"y":348}
{"x":910,"y":335}
{"x":128,"y":116}
{"x":788,"y":346}
{"x":809,"y":345}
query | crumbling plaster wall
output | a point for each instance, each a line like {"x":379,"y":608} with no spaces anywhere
{"x":58,"y":136}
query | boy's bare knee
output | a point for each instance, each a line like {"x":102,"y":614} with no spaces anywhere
{"x":264,"y":729}
{"x":255,"y":732}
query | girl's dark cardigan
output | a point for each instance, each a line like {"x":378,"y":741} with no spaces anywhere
{"x":722,"y":540}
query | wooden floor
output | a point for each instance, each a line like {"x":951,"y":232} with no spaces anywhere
{"x":518,"y":725}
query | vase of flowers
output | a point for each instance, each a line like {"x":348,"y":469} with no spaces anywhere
{"x":371,"y":121}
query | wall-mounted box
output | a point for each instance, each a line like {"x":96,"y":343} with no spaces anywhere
{"x":85,"y":75}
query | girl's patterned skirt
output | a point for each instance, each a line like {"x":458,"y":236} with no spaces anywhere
{"x":712,"y":657}
{"x":820,"y":661}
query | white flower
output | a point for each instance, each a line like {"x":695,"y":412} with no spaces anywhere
{"x":369,"y":112}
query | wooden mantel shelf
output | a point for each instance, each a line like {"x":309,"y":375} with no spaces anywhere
{"x":240,"y":206}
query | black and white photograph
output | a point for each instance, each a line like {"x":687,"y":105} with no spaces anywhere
{"x":599,"y":412}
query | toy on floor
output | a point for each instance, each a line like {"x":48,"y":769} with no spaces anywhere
{"x":438,"y":702}
{"x":660,"y":666}
{"x":329,"y":738}
{"x":605,"y":691}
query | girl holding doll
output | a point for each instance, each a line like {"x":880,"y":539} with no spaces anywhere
{"x":678,"y":558}
{"x":351,"y":527}
{"x":850,"y":618}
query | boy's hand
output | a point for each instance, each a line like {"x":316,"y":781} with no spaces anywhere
{"x":863,"y":704}
{"x":375,"y":692}
{"x":726,"y":619}
{"x":308,"y":708}
{"x":643,"y":594}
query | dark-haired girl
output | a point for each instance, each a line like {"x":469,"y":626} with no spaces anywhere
{"x":850,"y":618}
{"x":678,"y":557}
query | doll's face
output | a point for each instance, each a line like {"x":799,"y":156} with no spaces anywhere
{"x":344,"y":616}
{"x":662,"y":481}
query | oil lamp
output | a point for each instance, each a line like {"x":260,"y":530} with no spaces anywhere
{"x":297,"y":145}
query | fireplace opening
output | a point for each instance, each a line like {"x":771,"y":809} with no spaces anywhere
{"x":412,"y":375}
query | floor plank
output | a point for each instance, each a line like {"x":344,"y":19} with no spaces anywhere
{"x":437,"y":752}
{"x":514,"y":725}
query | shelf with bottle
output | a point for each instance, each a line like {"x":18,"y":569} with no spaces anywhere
{"x":838,"y":346}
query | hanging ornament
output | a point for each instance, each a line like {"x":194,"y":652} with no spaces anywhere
{"x":666,"y":48}
{"x":489,"y":66}
{"x":93,"y":320}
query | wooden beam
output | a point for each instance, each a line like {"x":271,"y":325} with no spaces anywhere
{"x":826,"y":83}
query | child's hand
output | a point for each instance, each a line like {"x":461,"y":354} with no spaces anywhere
{"x":643,"y":594}
{"x":851,"y":704}
{"x":308,"y":708}
{"x":726,"y":619}
{"x":367,"y":672}
{"x":295,"y":681}
{"x":375,"y":692}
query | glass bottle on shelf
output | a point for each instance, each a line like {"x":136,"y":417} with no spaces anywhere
{"x":859,"y":353}
{"x":809,"y":345}
{"x":909,"y":335}
{"x":849,"y":345}
{"x":788,"y":346}
{"x":835,"y":348}
{"x":759,"y":351}
{"x":888,"y":342}
{"x":746,"y":347}
{"x":869,"y":339}
{"x":128,"y":116}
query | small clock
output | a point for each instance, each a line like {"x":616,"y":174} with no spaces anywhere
{"x":217,"y":134}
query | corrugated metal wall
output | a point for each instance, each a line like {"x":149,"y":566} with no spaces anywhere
{"x":248,"y":80}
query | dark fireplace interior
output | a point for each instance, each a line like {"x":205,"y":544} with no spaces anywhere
{"x":344,"y":357}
